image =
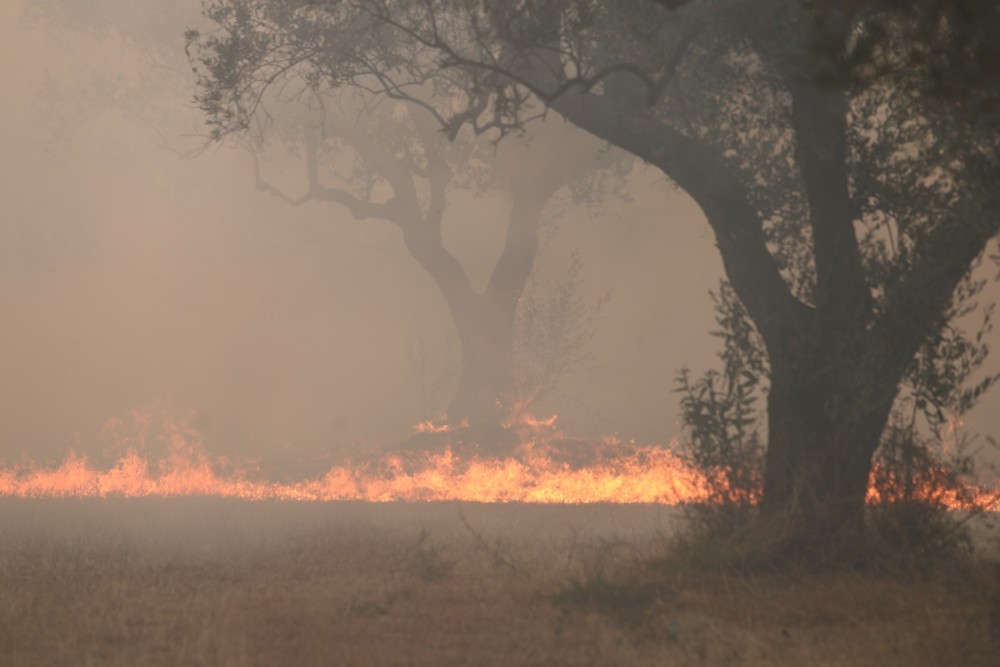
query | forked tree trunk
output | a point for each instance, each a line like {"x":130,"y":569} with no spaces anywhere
{"x":485,"y":322}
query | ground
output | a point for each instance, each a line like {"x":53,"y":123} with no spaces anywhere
{"x":230,"y":583}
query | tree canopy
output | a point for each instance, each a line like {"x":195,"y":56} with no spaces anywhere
{"x":844,"y":154}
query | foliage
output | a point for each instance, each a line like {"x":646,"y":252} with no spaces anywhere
{"x":923,"y":481}
{"x":913,"y":479}
{"x":553,"y":328}
{"x":264,"y":56}
{"x":849,"y":195}
{"x":720,"y":413}
{"x":926,"y":467}
{"x":952,"y":41}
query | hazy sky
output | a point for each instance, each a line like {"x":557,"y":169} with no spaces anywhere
{"x":130,"y":276}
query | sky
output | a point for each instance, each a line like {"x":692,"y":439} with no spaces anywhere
{"x":132,"y":276}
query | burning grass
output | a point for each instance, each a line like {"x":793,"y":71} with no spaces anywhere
{"x":553,"y":554}
{"x":533,"y":474}
{"x":147,"y":581}
{"x":158,"y":455}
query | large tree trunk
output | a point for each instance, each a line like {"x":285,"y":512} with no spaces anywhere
{"x":836,"y":357}
{"x":825,"y":420}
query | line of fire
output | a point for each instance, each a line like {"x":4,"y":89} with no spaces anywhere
{"x":163,"y":456}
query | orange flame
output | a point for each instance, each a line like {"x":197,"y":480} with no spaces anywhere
{"x":937,"y":488}
{"x":537,"y":472}
{"x":438,"y":426}
{"x":532,"y":474}
{"x":650,"y":475}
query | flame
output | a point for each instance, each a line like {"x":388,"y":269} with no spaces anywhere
{"x":649,"y":475}
{"x":438,"y":426}
{"x":937,"y":487}
{"x":162,"y":457}
{"x":520,"y":417}
{"x":530,"y":421}
{"x":534,"y":473}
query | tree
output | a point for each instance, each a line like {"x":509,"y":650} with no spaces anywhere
{"x":396,"y":168}
{"x":400,"y":150}
{"x":400,"y":168}
{"x":848,"y":204}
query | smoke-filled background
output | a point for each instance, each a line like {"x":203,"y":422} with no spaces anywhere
{"x":136,"y":269}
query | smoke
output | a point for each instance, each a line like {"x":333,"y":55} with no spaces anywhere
{"x":132,"y":271}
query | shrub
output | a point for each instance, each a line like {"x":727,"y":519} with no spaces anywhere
{"x":923,"y":492}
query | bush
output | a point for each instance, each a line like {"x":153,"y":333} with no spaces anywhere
{"x":923,"y":493}
{"x":722,"y":420}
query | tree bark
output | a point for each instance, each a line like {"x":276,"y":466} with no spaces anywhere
{"x":825,"y":420}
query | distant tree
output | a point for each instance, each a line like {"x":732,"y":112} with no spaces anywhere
{"x":848,"y":203}
{"x":396,"y":167}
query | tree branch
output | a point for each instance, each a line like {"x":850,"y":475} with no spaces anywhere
{"x":916,"y":305}
{"x":357,"y":207}
{"x":704,"y":175}
{"x":819,"y":120}
{"x":517,"y":259}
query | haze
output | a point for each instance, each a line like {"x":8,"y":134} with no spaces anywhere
{"x":130,"y":276}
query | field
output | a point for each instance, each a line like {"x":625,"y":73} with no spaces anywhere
{"x":209,"y":582}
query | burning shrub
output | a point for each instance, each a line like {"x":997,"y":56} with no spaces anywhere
{"x":922,"y":496}
{"x":923,"y":491}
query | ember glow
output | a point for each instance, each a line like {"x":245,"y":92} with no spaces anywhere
{"x":162,"y":457}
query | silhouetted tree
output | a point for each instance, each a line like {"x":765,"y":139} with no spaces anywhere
{"x":848,"y":204}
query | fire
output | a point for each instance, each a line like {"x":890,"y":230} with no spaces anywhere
{"x":533,"y":474}
{"x":650,"y":475}
{"x":936,"y":488}
{"x":438,"y":426}
{"x":161,"y":457}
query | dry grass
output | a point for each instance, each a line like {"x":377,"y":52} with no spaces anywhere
{"x":200,"y":582}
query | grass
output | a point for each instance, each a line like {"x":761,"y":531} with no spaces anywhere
{"x":207,"y":582}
